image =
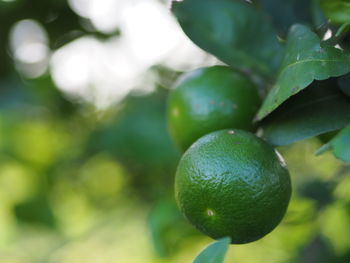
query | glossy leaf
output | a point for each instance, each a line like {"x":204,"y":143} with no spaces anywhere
{"x":340,"y":145}
{"x":307,"y":59}
{"x":234,"y":31}
{"x":344,"y":84}
{"x":320,"y":108}
{"x":214,"y":253}
{"x":288,"y":12}
{"x":318,"y":17}
{"x":338,"y":11}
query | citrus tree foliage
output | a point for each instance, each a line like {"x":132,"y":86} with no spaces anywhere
{"x":282,"y":45}
{"x":338,"y":11}
{"x":286,"y":65}
{"x":214,"y":253}
{"x":76,"y":186}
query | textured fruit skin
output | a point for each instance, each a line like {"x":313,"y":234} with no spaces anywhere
{"x":232,"y":183}
{"x":211,"y":99}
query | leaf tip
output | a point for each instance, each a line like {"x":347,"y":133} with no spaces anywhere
{"x":262,"y":113}
{"x":215,"y":252}
{"x":323,"y":149}
{"x":225,"y":240}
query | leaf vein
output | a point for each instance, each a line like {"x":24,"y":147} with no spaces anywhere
{"x":312,"y":60}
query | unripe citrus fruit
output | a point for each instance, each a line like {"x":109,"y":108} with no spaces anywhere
{"x":210,"y":99}
{"x":232,"y":183}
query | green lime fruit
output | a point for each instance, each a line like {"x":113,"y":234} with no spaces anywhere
{"x":211,"y":99}
{"x":232,"y":183}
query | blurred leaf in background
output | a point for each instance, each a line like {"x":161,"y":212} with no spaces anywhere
{"x":338,"y":11}
{"x":138,"y":136}
{"x":86,"y":162}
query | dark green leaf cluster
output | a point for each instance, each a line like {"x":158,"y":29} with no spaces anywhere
{"x":297,"y":49}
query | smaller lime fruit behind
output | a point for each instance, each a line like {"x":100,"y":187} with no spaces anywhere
{"x":210,"y":99}
{"x":232,"y":183}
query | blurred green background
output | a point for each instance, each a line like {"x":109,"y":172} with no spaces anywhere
{"x":86,"y":162}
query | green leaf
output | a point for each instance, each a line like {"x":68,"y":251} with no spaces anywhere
{"x":162,"y":219}
{"x":36,"y":210}
{"x":215,"y":252}
{"x":344,"y":84}
{"x":320,"y":108}
{"x":164,"y":222}
{"x":343,"y":29}
{"x":288,"y":12}
{"x":234,"y":31}
{"x":307,"y":59}
{"x":338,"y":11}
{"x":340,"y":145}
{"x":323,"y":149}
{"x":318,"y":17}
